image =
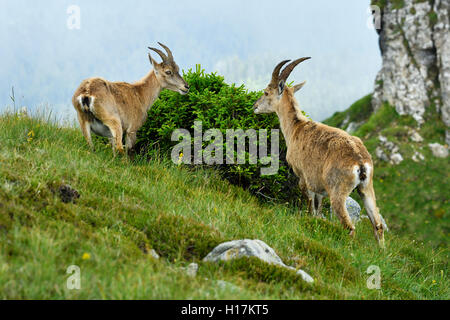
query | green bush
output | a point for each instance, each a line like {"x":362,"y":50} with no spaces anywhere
{"x":218,"y":106}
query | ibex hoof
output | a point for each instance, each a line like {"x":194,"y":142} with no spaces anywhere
{"x":352,"y":233}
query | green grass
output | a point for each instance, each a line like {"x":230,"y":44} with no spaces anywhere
{"x":396,"y":4}
{"x":127,"y":208}
{"x":357,"y":112}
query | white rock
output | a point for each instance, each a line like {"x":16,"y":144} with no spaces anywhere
{"x":192,"y":270}
{"x":382,"y":139}
{"x":353,"y":126}
{"x":396,"y":158}
{"x":249,"y":248}
{"x":305,"y":276}
{"x":353,"y":209}
{"x":345,"y":122}
{"x":417,"y":157}
{"x":379,"y":152}
{"x":438,"y":150}
{"x":415,"y":136}
{"x":447,"y":137}
{"x":391,"y":147}
{"x":154,"y":254}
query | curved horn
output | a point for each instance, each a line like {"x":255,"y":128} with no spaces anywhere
{"x":161,"y":54}
{"x":288,"y":70}
{"x":169,"y":53}
{"x":276,"y":74}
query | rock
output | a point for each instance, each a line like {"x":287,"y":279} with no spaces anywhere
{"x":68,"y":194}
{"x":306,"y":277}
{"x":353,"y":126}
{"x":447,"y":137}
{"x":396,"y":158}
{"x":192,"y":270}
{"x":415,"y":48}
{"x":379,"y":152}
{"x":345,"y":122}
{"x":388,"y":151}
{"x":382,"y":139}
{"x":250,"y":248}
{"x":415,"y":136}
{"x":354,"y":211}
{"x":417,"y":157}
{"x":442,"y":44}
{"x":154,"y":254}
{"x":353,"y":208}
{"x":438,"y":150}
{"x":391,"y":147}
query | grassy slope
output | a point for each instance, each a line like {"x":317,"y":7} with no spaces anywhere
{"x":127,"y":208}
{"x":412,"y":196}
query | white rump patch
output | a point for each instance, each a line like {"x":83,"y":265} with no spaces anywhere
{"x":356,"y":173}
{"x":91,"y":104}
{"x":80,"y":101}
{"x":368,"y":173}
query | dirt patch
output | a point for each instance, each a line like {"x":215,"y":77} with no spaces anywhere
{"x":68,"y":194}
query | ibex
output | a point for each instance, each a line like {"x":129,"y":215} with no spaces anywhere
{"x":112,"y":109}
{"x":327,"y":160}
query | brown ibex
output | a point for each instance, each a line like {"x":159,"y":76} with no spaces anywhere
{"x":112,"y":109}
{"x":327,"y":160}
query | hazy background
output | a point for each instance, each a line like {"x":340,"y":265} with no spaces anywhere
{"x":242,"y":40}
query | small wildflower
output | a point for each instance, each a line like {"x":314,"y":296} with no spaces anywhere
{"x":434,"y":281}
{"x":30,"y":136}
{"x":180,"y":158}
{"x":86,"y":256}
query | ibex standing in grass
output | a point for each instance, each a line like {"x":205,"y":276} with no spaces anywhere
{"x":111,"y":109}
{"x":327,"y":160}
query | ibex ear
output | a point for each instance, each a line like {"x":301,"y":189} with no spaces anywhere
{"x":153,"y":62}
{"x":281,"y":86}
{"x":299,"y":86}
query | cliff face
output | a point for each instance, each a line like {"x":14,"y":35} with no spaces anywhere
{"x":415,"y":46}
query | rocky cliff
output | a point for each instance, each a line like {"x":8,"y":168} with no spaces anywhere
{"x":415,"y":46}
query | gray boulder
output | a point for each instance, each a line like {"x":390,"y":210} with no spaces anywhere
{"x":250,"y":248}
{"x":353,"y":208}
{"x":354,"y":211}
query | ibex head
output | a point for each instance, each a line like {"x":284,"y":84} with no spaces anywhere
{"x":269,"y":102}
{"x":167,"y":72}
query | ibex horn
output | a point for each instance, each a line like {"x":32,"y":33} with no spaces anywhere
{"x":161,"y":54}
{"x":290,"y":67}
{"x":169,"y":53}
{"x":276,"y":73}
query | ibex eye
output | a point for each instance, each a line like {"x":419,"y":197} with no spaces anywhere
{"x":168,"y":73}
